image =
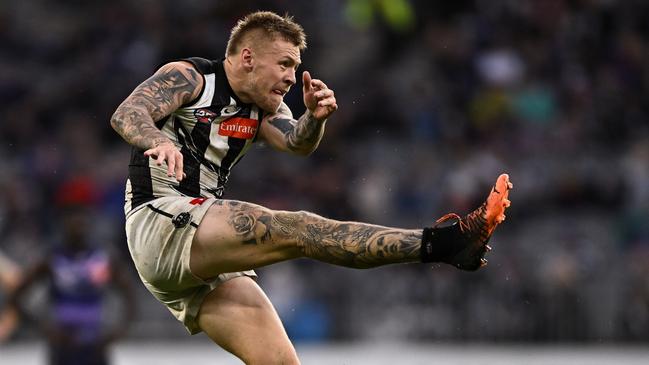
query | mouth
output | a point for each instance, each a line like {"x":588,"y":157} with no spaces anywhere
{"x":279,"y":92}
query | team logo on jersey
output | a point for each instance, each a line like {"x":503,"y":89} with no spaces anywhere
{"x":230,"y":110}
{"x":243,"y":128}
{"x":204,"y":115}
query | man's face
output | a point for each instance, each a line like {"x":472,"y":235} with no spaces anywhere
{"x":75,"y":223}
{"x":273,"y":73}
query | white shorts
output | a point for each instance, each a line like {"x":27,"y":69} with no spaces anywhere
{"x":160,"y":234}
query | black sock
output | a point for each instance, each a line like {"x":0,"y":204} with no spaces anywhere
{"x":439,"y":244}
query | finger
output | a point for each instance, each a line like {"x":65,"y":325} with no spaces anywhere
{"x":327,"y":102}
{"x":318,"y":84}
{"x":331,"y":108}
{"x":161,"y":158}
{"x":171,"y":166}
{"x":326,"y":93}
{"x":306,"y":81}
{"x":179,"y":167}
{"x":149,"y":153}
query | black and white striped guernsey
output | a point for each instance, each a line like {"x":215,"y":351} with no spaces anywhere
{"x":213,"y":133}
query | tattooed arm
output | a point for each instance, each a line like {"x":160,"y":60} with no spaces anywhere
{"x":170,"y":87}
{"x":284,"y":133}
{"x":301,"y":136}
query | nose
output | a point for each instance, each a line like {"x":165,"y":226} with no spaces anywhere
{"x":289,"y":78}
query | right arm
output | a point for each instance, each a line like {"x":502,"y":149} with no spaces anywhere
{"x":34,"y":274}
{"x":173,"y":85}
{"x":38,"y":272}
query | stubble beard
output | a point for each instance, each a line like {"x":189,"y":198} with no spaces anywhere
{"x":261,"y":98}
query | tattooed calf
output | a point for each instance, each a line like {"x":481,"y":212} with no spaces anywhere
{"x":349,"y":244}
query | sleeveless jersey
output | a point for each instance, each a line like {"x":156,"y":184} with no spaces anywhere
{"x":79,"y":281}
{"x":213,"y":133}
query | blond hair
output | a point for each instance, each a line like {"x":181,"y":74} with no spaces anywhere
{"x":268,"y":25}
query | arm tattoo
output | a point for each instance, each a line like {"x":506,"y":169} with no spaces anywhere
{"x":284,"y":125}
{"x":302,"y":135}
{"x":152,"y":100}
{"x":307,"y":134}
{"x":350,"y":244}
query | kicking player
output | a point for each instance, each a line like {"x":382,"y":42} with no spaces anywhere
{"x":189,"y":124}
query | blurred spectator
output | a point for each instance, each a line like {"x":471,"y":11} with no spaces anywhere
{"x":79,"y":272}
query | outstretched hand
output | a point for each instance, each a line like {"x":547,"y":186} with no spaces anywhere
{"x":169,"y":153}
{"x":318,"y":98}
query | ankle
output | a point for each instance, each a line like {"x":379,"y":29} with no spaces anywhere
{"x":440,"y":243}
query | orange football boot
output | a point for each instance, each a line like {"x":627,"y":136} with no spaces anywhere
{"x":462,"y":242}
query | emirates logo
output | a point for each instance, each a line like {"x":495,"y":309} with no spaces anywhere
{"x":242,"y":128}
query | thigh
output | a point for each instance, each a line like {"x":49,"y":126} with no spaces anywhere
{"x":238,"y":316}
{"x":236,"y":236}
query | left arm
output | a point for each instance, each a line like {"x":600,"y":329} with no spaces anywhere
{"x":286,"y":134}
{"x":303,"y":135}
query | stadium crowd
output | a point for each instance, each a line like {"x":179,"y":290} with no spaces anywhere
{"x":436,"y":99}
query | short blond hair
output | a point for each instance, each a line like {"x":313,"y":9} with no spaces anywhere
{"x":269,"y":25}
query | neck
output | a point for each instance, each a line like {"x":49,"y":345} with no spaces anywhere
{"x":236,"y":78}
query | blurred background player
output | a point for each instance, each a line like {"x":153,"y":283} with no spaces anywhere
{"x":79,"y":272}
{"x":10,"y":278}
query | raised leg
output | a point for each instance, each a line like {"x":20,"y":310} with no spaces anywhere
{"x":235,"y":236}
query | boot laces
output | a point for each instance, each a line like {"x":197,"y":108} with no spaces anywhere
{"x":474,"y":225}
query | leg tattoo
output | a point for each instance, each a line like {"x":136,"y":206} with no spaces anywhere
{"x":350,"y":244}
{"x":357,"y":245}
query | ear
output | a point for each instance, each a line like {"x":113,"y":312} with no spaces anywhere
{"x":247,"y":59}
